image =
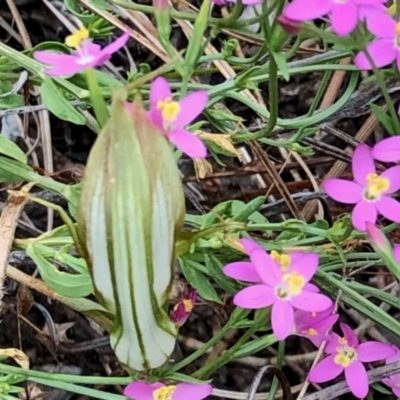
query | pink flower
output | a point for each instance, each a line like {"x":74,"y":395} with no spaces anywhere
{"x":281,"y":284}
{"x":181,"y":312}
{"x":158,"y":391}
{"x":346,"y":354}
{"x":171,"y":116}
{"x":393,"y":381}
{"x":87,"y":55}
{"x":369,"y":191}
{"x":385,"y":49}
{"x":313,"y":326}
{"x":387,"y":150}
{"x":344,"y":15}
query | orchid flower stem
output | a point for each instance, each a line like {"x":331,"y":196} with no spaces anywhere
{"x":96,"y":98}
{"x":275,"y":382}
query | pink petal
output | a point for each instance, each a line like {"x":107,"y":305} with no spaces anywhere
{"x":343,"y":191}
{"x":311,"y":287}
{"x":250,"y":245}
{"x":349,"y":334}
{"x":295,"y":257}
{"x":141,"y":390}
{"x":323,"y":325}
{"x":364,"y":211}
{"x":266,"y":267}
{"x":70,"y":68}
{"x":191,"y":391}
{"x":395,"y":356}
{"x":333,"y":343}
{"x":188,"y":143}
{"x":389,"y":208}
{"x":387,"y":149}
{"x":344,"y":18}
{"x":282,"y":319}
{"x":51,"y":58}
{"x":307,"y":266}
{"x":379,"y":23}
{"x":357,"y":379}
{"x":159,"y":91}
{"x":309,"y":301}
{"x":393,"y":175}
{"x":252,"y":2}
{"x":362,"y":164}
{"x":382,"y":51}
{"x":242,"y":271}
{"x":325,"y":370}
{"x":191,"y":107}
{"x":374,"y":351}
{"x":396,"y":253}
{"x":307,"y":10}
{"x":116,"y":45}
{"x":255,"y":297}
{"x":320,"y":316}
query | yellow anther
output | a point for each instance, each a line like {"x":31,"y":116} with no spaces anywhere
{"x":283,"y":260}
{"x":398,"y":29}
{"x":376,"y":186}
{"x":342,"y":340}
{"x":169,"y":109}
{"x":311,"y":332}
{"x":77,"y":38}
{"x":295,"y":282}
{"x":164,"y":393}
{"x":188,"y":305}
{"x":342,"y":359}
{"x":345,"y":355}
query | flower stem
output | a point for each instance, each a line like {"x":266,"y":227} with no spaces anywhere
{"x":275,"y":382}
{"x":96,"y":98}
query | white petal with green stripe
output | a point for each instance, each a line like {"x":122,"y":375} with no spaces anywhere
{"x":132,"y":207}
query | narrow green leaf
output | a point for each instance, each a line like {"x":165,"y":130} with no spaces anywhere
{"x":63,"y":283}
{"x":10,"y":149}
{"x":55,"y":101}
{"x":383,"y":118}
{"x":199,"y":281}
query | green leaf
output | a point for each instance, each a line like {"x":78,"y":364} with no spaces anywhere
{"x":199,"y":281}
{"x":10,"y":149}
{"x":56,"y":102}
{"x":281,"y":62}
{"x":214,"y":268}
{"x":383,"y":118}
{"x":63,"y":283}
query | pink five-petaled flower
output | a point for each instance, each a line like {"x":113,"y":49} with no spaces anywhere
{"x":393,"y":381}
{"x":171,"y":116}
{"x":181,"y":311}
{"x":369,"y":191}
{"x":158,"y":391}
{"x":344,"y":15}
{"x":282,"y":288}
{"x":87,"y":55}
{"x":383,"y":50}
{"x":313,"y":326}
{"x":346,"y":354}
{"x":387,"y":150}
